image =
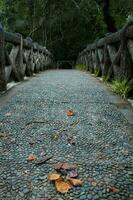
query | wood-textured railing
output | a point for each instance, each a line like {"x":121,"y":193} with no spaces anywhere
{"x":20,"y":57}
{"x":111,"y":56}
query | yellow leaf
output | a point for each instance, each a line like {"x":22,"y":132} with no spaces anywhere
{"x":75,"y":182}
{"x":53,"y":177}
{"x":62,"y":186}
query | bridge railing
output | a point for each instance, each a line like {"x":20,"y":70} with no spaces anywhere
{"x":20,"y":57}
{"x":112,"y":56}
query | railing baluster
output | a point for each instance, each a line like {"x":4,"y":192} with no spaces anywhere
{"x":2,"y":60}
{"x":113,"y":54}
{"x":22,"y":58}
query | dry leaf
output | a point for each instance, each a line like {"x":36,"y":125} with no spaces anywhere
{"x":43,"y":160}
{"x":70,"y":113}
{"x":8,"y":114}
{"x":73,"y":173}
{"x":3,"y":135}
{"x":64,"y":165}
{"x":31,"y":157}
{"x":75,"y":182}
{"x":53,"y":177}
{"x":68,"y":166}
{"x":57,"y":166}
{"x":113,"y":189}
{"x":62,"y":186}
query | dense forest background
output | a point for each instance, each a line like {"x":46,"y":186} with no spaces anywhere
{"x":64,"y":26}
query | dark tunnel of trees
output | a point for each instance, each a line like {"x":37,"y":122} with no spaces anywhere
{"x":65,"y":27}
{"x":65,"y":65}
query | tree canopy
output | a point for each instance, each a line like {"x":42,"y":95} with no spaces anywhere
{"x":65,"y":27}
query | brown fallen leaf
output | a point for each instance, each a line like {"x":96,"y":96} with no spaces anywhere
{"x":62,"y":186}
{"x":73,"y":173}
{"x":3,"y":135}
{"x":31,"y":157}
{"x":75,"y":182}
{"x":113,"y":189}
{"x":57,"y":166}
{"x":53,"y":177}
{"x":68,"y":166}
{"x":70,"y":113}
{"x":43,"y":161}
{"x":64,"y":165}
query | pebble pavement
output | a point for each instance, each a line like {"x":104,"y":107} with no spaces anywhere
{"x":35,"y":121}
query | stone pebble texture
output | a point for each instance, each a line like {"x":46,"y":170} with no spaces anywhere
{"x":35,"y":122}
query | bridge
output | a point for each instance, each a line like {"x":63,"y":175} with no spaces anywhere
{"x":65,"y":116}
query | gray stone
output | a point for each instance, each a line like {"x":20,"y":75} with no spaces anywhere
{"x":102,"y":151}
{"x":26,"y":190}
{"x":83,"y":197}
{"x":21,"y":194}
{"x":89,"y":196}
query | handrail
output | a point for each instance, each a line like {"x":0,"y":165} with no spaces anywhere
{"x":25,"y":58}
{"x":111,"y":56}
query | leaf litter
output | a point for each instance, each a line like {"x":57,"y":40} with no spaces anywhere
{"x":31,"y":157}
{"x":65,"y":179}
{"x":3,"y":135}
{"x":70,"y":113}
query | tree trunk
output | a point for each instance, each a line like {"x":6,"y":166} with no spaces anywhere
{"x":108,"y":19}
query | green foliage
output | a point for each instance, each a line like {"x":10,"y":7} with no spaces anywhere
{"x":121,"y":87}
{"x":65,"y":27}
{"x":120,"y":10}
{"x":105,"y":78}
{"x":81,"y":67}
{"x":91,"y":70}
{"x":96,"y":72}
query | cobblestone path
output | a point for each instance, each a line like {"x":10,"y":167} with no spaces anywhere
{"x":35,"y":121}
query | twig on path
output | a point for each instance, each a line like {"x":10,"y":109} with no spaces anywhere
{"x":43,"y":161}
{"x":37,"y":122}
{"x":74,"y":123}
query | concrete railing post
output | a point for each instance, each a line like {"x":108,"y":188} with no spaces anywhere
{"x":2,"y":61}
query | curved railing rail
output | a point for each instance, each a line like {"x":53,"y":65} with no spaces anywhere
{"x":111,"y":56}
{"x":20,"y":57}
